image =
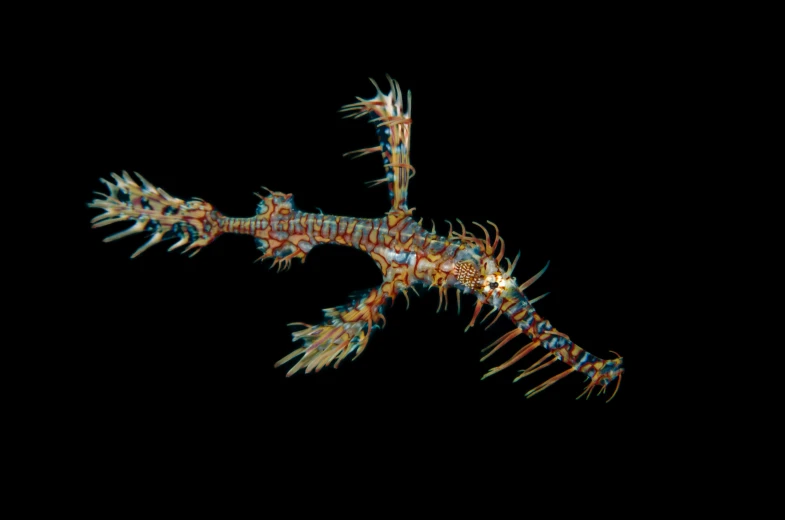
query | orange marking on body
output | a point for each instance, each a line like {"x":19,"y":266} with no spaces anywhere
{"x":350,"y":227}
{"x":387,"y":240}
{"x":373,"y":235}
{"x":283,"y":211}
{"x":296,"y":239}
{"x":381,"y":261}
{"x":393,"y":218}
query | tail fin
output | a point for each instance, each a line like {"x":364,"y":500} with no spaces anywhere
{"x":152,"y":209}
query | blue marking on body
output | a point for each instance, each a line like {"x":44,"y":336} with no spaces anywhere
{"x":261,"y":244}
{"x":543,"y":325}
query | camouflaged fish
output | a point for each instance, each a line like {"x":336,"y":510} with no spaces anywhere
{"x":407,"y":255}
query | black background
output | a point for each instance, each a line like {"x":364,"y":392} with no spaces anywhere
{"x":624,"y":145}
{"x":563,"y":144}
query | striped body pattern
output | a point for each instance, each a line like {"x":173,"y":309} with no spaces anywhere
{"x":408,"y":255}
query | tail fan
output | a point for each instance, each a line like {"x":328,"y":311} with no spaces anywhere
{"x":193,"y":223}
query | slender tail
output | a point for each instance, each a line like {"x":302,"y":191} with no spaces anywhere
{"x":193,"y":223}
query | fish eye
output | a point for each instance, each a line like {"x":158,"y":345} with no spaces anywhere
{"x":493,"y":285}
